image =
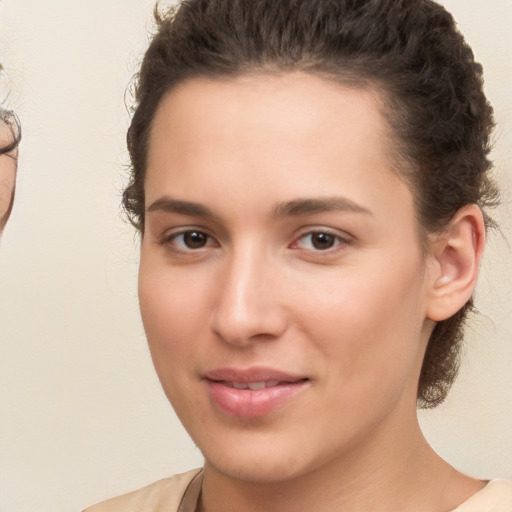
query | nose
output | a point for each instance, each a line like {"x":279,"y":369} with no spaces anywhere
{"x":247,"y":305}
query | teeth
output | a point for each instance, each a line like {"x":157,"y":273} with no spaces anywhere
{"x":254,"y":386}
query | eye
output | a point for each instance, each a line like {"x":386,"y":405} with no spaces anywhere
{"x":318,"y":241}
{"x":190,"y":240}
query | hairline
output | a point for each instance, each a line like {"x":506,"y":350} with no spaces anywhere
{"x":401,"y":164}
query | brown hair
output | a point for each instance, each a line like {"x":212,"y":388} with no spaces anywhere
{"x":410,"y":49}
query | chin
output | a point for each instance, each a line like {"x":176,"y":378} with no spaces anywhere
{"x":268,"y":471}
{"x":264,"y":462}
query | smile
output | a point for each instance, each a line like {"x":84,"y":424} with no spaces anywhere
{"x":252,"y":393}
{"x":251,"y":385}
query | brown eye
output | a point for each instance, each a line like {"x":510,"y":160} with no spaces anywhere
{"x":318,"y":241}
{"x":322,"y":241}
{"x":188,"y":241}
{"x":194,"y":239}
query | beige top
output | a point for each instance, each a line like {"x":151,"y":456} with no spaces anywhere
{"x":496,"y":496}
{"x":181,"y":492}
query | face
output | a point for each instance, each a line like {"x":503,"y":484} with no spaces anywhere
{"x":282,"y":285}
{"x":7,"y":175}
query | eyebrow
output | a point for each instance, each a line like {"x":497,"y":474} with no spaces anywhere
{"x":169,"y":205}
{"x":318,"y":205}
{"x":293,"y":208}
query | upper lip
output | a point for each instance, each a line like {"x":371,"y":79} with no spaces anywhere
{"x":251,"y":374}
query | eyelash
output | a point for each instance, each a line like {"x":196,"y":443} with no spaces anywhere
{"x":170,"y":240}
{"x":338,"y":242}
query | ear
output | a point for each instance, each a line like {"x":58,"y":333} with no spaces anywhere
{"x":456,"y":256}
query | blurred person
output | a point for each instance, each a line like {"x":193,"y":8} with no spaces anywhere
{"x":10,"y":136}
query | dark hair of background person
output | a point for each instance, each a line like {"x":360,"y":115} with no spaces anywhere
{"x":409,"y":51}
{"x":9,"y":119}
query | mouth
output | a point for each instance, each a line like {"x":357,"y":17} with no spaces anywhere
{"x":254,"y":386}
{"x":254,"y":392}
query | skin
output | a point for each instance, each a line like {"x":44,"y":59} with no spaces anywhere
{"x":353,"y":319}
{"x":8,"y":166}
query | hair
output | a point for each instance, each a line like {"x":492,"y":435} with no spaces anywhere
{"x":8,"y":118}
{"x":410,"y":51}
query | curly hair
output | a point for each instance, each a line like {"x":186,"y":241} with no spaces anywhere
{"x":409,"y":50}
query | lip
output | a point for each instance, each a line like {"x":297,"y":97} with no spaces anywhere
{"x":252,"y":403}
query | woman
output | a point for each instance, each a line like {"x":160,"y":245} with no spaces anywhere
{"x":310,"y":181}
{"x":9,"y":139}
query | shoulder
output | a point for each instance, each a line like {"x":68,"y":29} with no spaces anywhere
{"x":165,"y":494}
{"x":496,"y":496}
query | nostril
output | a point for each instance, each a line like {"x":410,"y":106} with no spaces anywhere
{"x":247,"y":310}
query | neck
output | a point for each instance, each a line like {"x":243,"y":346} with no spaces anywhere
{"x":397,"y":470}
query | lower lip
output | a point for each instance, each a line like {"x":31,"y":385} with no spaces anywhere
{"x":248,"y":403}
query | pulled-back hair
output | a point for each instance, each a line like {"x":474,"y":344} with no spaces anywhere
{"x":410,"y":51}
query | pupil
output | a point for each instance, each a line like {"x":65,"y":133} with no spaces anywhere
{"x":194,"y":239}
{"x":322,"y":241}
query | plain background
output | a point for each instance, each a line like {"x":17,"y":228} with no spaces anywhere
{"x":82,"y":414}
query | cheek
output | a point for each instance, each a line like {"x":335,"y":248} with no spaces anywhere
{"x":171,"y":299}
{"x":170,"y":313}
{"x":368,"y":322}
{"x":175,"y":307}
{"x":168,"y":318}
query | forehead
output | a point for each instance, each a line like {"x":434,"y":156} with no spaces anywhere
{"x":271,"y":137}
{"x":261,"y":114}
{"x":298,"y":98}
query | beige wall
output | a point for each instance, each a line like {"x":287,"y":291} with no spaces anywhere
{"x":83,"y":417}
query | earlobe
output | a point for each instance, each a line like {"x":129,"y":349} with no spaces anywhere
{"x":456,"y":254}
